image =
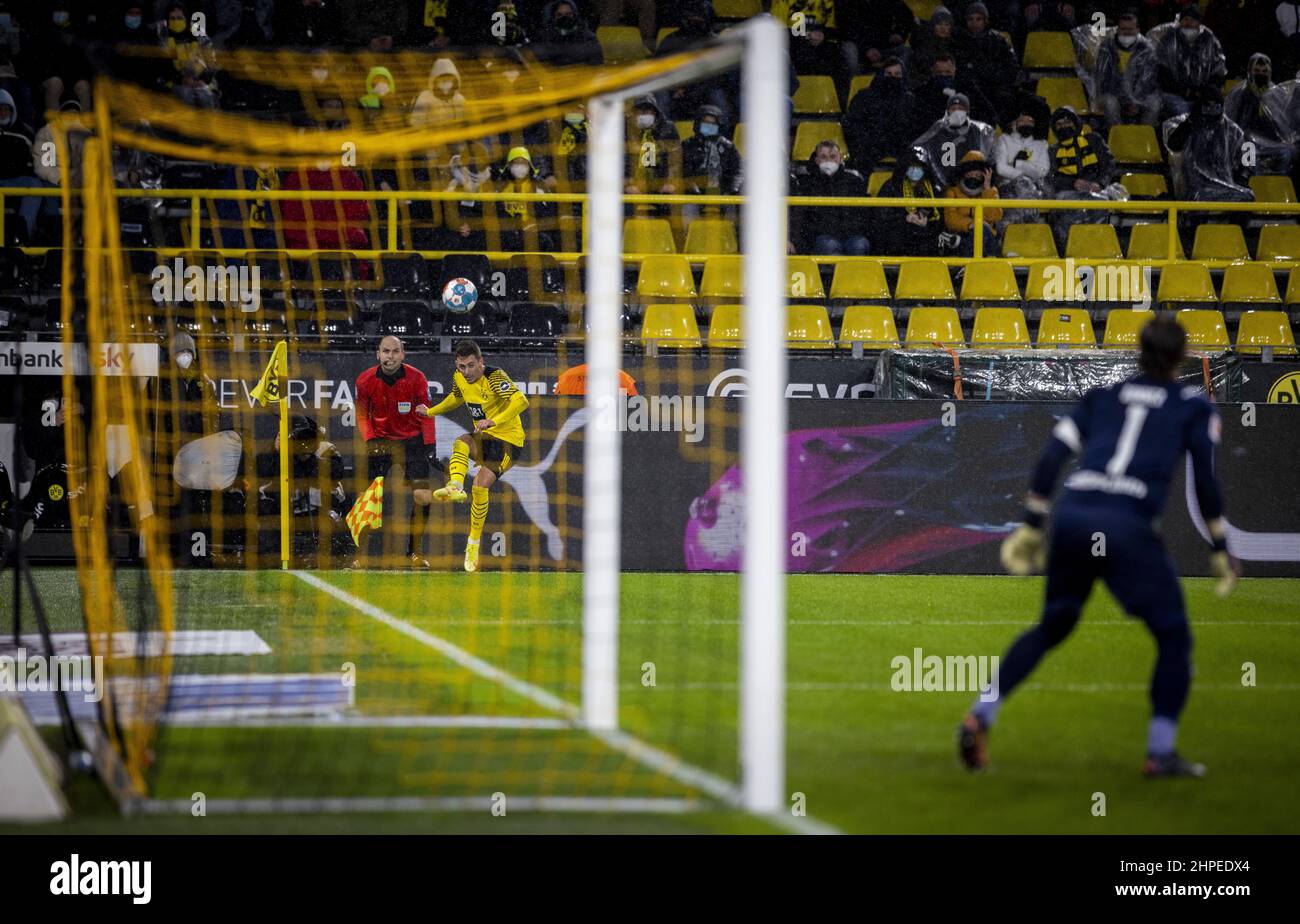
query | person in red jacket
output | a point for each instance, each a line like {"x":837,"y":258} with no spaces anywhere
{"x":386,"y":399}
{"x":333,"y":224}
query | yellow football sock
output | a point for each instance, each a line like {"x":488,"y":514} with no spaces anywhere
{"x":459,"y":464}
{"x":477,"y":512}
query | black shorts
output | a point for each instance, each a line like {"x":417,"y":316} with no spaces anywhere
{"x":412,"y":453}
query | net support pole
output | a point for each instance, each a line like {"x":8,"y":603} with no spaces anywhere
{"x":602,"y":453}
{"x":765,"y":89}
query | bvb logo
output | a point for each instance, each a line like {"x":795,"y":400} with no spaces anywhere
{"x":1285,"y":390}
{"x":56,"y":492}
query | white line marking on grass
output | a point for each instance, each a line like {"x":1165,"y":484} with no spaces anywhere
{"x":309,"y":806}
{"x":858,"y":687}
{"x":864,"y":623}
{"x":668,"y":764}
{"x":378,"y":721}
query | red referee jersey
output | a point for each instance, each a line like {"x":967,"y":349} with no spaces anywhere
{"x":386,"y":405}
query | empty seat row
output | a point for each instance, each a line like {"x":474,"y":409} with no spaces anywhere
{"x":1150,"y":241}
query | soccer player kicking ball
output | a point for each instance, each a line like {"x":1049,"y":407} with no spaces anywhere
{"x":494,"y":405}
{"x":1131,"y":436}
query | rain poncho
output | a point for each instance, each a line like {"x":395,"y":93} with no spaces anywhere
{"x":1247,"y":105}
{"x":1206,"y":157}
{"x":1183,"y":67}
{"x":1127,"y":74}
{"x":973,"y":136}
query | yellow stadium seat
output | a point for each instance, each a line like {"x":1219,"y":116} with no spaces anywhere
{"x":1293,"y":288}
{"x":711,"y":235}
{"x":1116,"y":281}
{"x":871,"y":325}
{"x":1278,"y":242}
{"x":1134,"y":144}
{"x":663,"y":34}
{"x":722,"y":278}
{"x":1205,"y":328}
{"x":738,"y":138}
{"x":805,"y":278}
{"x":808,"y":327}
{"x":1219,"y":242}
{"x":1273,"y":188}
{"x":1258,"y":329}
{"x":989,"y":281}
{"x":1122,"y":328}
{"x":810,"y":134}
{"x":860,"y":279}
{"x":1185,"y":282}
{"x":1146,"y":185}
{"x":1000,"y":328}
{"x":1093,"y":242}
{"x":1048,"y":282}
{"x":724,"y":328}
{"x":925,"y":280}
{"x":736,"y":9}
{"x":670,"y":326}
{"x":665,"y":276}
{"x":1151,"y":242}
{"x":621,"y":44}
{"x":1249,"y":283}
{"x":1063,"y":91}
{"x":877,"y":179}
{"x":1029,"y":241}
{"x":1230,"y":83}
{"x":648,"y":235}
{"x":1053,"y":50}
{"x":927,"y":327}
{"x":816,"y":96}
{"x":858,"y":84}
{"x":685,"y":128}
{"x":1064,"y":327}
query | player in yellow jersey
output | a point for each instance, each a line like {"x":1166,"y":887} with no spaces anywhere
{"x":494,"y":405}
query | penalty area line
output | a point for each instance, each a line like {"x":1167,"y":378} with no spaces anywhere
{"x":518,"y":723}
{"x":397,"y":804}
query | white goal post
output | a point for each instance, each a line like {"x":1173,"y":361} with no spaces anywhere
{"x":760,"y":47}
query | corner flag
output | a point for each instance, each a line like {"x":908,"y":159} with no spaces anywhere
{"x":268,"y":386}
{"x":368,"y":511}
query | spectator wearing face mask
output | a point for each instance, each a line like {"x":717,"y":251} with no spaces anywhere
{"x":1264,"y":127}
{"x":379,"y":84}
{"x":974,"y":181}
{"x":1188,"y":57}
{"x":931,"y":101}
{"x":654,"y":151}
{"x":911,"y":232}
{"x":565,"y":38}
{"x":952,"y":137}
{"x":930,"y":41}
{"x":720,"y":90}
{"x":441,"y":102}
{"x":192,"y":76}
{"x":1081,"y":169}
{"x":829,"y":230}
{"x":1022,"y":162}
{"x":711,"y":164}
{"x":989,"y":61}
{"x":879,"y":119}
{"x":16,"y":162}
{"x":1207,"y":149}
{"x":523,"y":225}
{"x":1125,"y":75}
{"x":54,"y":50}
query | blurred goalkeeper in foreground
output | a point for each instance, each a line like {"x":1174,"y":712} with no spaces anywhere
{"x":1131,"y":437}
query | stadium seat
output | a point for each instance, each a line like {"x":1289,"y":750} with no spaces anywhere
{"x":808,"y":327}
{"x":1293,"y":287}
{"x":1116,"y":282}
{"x":1259,"y":329}
{"x":1151,"y":242}
{"x":404,"y":274}
{"x":805,"y":278}
{"x":816,"y":96}
{"x":648,"y":235}
{"x":1249,"y":283}
{"x":860,"y":279}
{"x":537,"y":272}
{"x":1122,"y":328}
{"x":924,"y":280}
{"x":1185,"y":282}
{"x":1000,"y":328}
{"x":1134,"y":144}
{"x":685,"y":128}
{"x":1047,"y":282}
{"x":670,"y":326}
{"x":663,"y":34}
{"x":736,"y":9}
{"x":738,"y":138}
{"x":871,"y":325}
{"x":1146,"y":185}
{"x":989,"y":281}
{"x":1032,"y":241}
{"x":809,"y":134}
{"x":1063,"y":91}
{"x":621,"y":44}
{"x":1093,"y":242}
{"x":724,"y":328}
{"x":665,"y":276}
{"x":472,"y":325}
{"x":1064,"y":327}
{"x":858,"y":84}
{"x":710,"y":236}
{"x":1278,"y":242}
{"x":472,"y":266}
{"x":534,"y":326}
{"x":722,"y":278}
{"x":1219,"y":242}
{"x":1050,"y":51}
{"x":933,"y":328}
{"x":407,"y":319}
{"x":1273,"y":188}
{"x":877,"y":179}
{"x":1205,"y":328}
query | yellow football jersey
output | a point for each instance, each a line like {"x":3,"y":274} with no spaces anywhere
{"x":489,"y":398}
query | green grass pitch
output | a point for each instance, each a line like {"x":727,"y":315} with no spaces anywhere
{"x":865,"y":758}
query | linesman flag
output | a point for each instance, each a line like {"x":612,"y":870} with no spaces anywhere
{"x":368,"y":511}
{"x":268,"y":387}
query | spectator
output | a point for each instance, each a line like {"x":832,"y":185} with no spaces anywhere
{"x":525,"y":225}
{"x":653,"y":150}
{"x":192,"y":76}
{"x":829,"y":230}
{"x":16,"y":161}
{"x":333,"y":224}
{"x":470,"y":172}
{"x":441,"y":101}
{"x":57,"y":50}
{"x":879,"y":120}
{"x":710,"y":162}
{"x":639,"y":13}
{"x":1188,"y":57}
{"x":379,"y":84}
{"x":18,"y":89}
{"x":242,"y":23}
{"x":930,"y":41}
{"x":1287,"y":32}
{"x":875,"y":30}
{"x":1023,"y":162}
{"x":821,"y":10}
{"x":684,"y":102}
{"x":1245,"y":105}
{"x":1081,"y":169}
{"x":569,"y":161}
{"x":911,"y":232}
{"x":306,"y":24}
{"x":566,"y":38}
{"x":1051,"y":15}
{"x":974,"y":181}
{"x":816,"y":55}
{"x":47,"y":170}
{"x":989,"y":61}
{"x":573,"y":381}
{"x":949,"y":139}
{"x":247,"y":224}
{"x":931,"y":101}
{"x":1208,"y":152}
{"x":1125,"y":75}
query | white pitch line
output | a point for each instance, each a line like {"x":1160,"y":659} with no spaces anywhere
{"x":723,"y":790}
{"x":373,"y":721}
{"x":836,"y":686}
{"x":310,"y":806}
{"x":866,"y":623}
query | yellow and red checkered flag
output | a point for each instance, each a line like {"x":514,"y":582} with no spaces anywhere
{"x":368,"y":511}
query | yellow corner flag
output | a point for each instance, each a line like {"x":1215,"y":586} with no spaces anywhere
{"x":268,"y":387}
{"x":368,"y":511}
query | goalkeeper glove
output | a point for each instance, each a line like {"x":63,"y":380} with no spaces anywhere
{"x":1221,"y":567}
{"x":1024,"y":551}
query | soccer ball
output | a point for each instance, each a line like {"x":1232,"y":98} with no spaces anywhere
{"x":459,"y":296}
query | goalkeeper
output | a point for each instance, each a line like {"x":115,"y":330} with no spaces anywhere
{"x":1131,"y":437}
{"x":494,"y":405}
